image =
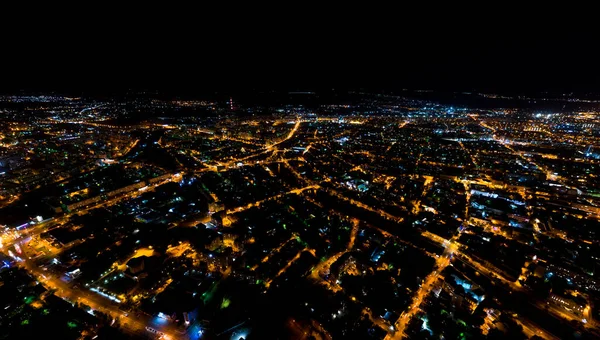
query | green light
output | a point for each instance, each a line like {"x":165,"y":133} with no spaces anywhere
{"x":71,"y":324}
{"x":24,"y":322}
{"x":225,"y":303}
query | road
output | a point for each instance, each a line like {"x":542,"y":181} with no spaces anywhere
{"x":398,"y":332}
{"x":514,"y":286}
{"x":266,"y":148}
{"x":364,"y":206}
{"x":272,"y":198}
{"x":323,"y":267}
{"x":530,"y":329}
{"x":289,"y":264}
{"x":11,"y":237}
{"x":275,"y":251}
{"x":135,"y":324}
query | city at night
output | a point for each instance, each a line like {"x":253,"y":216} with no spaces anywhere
{"x":304,"y":191}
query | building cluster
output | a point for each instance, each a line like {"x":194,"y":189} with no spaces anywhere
{"x":372,"y":217}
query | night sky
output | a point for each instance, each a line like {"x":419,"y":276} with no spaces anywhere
{"x":238,"y":53}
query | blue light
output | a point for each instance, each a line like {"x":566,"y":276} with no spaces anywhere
{"x":157,"y":320}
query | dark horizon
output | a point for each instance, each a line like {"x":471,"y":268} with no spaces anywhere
{"x":385,"y":56}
